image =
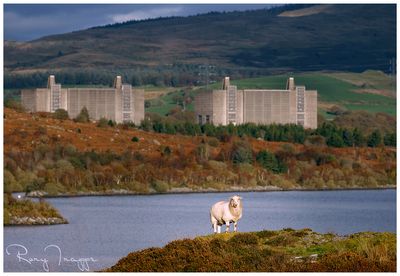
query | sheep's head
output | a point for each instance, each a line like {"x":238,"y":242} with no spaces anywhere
{"x":235,"y":201}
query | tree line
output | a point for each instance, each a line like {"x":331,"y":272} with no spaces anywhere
{"x":326,"y":134}
{"x":174,"y":75}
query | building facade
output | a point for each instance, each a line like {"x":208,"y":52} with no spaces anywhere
{"x":120,"y":103}
{"x":294,"y":105}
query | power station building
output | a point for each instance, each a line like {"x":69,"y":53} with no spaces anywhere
{"x":120,"y":103}
{"x":294,"y":105}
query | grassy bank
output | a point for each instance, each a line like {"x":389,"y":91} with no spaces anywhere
{"x":268,"y":251}
{"x":37,"y":194}
{"x":27,"y":212}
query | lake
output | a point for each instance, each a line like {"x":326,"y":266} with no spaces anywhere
{"x":103,"y":229}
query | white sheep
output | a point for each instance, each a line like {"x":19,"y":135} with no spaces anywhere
{"x":224,"y":212}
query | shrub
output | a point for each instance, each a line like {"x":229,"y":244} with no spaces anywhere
{"x":202,"y":152}
{"x":61,"y":114}
{"x":111,"y":123}
{"x":10,"y":184}
{"x":315,"y":140}
{"x":83,"y":116}
{"x":135,"y":139}
{"x":16,"y":105}
{"x":243,"y":239}
{"x":165,"y":151}
{"x":213,"y":142}
{"x":53,"y":188}
{"x":160,"y":186}
{"x":102,"y":122}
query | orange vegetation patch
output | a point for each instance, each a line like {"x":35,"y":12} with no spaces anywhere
{"x":24,"y":130}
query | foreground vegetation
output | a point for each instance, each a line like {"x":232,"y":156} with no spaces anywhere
{"x":27,"y":212}
{"x":286,"y":250}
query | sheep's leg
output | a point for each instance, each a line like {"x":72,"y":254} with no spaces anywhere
{"x":219,"y":229}
{"x":235,"y":226}
{"x":215,"y":228}
{"x":227,"y":227}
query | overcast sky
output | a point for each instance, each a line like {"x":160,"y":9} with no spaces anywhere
{"x":24,"y":22}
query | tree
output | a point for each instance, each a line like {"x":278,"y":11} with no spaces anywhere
{"x":270,"y":161}
{"x":267,"y":160}
{"x":335,"y":140}
{"x":358,"y":138}
{"x":10,"y":184}
{"x":111,"y":123}
{"x":83,"y":116}
{"x":241,"y":152}
{"x":374,"y":139}
{"x":348,"y":138}
{"x":390,"y":139}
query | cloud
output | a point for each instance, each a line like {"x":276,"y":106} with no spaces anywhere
{"x":147,"y":13}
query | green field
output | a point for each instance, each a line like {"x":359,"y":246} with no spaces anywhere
{"x":165,"y":103}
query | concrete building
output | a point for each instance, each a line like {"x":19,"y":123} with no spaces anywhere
{"x":121,"y":103}
{"x":294,"y":105}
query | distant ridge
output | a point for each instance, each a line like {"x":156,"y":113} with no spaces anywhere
{"x":282,"y":39}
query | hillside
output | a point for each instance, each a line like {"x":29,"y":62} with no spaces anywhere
{"x":285,"y":250}
{"x":332,"y":37}
{"x":64,"y":157}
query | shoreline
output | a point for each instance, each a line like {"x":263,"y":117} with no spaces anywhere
{"x":128,"y":193}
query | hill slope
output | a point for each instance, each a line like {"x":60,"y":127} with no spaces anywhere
{"x":268,"y":251}
{"x":64,"y":157}
{"x":338,"y":37}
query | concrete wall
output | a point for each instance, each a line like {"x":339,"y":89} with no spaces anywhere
{"x":203,"y":106}
{"x":266,"y":106}
{"x":99,"y":102}
{"x":311,"y":109}
{"x":64,"y":99}
{"x":219,"y":107}
{"x":43,"y":99}
{"x":28,"y":99}
{"x":292,"y":107}
{"x":239,"y":103}
{"x":138,"y":106}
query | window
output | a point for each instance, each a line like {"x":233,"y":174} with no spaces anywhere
{"x":200,"y":119}
{"x":207,"y":119}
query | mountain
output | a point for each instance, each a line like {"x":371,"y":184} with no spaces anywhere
{"x":283,"y":39}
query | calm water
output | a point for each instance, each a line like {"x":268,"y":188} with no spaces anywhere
{"x":108,"y":228}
